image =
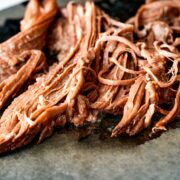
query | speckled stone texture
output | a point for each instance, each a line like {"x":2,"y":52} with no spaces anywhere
{"x":63,"y":157}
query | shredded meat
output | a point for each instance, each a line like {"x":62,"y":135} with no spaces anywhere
{"x":129,"y":69}
{"x":56,"y":92}
{"x":20,"y":56}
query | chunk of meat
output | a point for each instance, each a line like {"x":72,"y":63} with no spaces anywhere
{"x":36,"y":110}
{"x":19,"y":56}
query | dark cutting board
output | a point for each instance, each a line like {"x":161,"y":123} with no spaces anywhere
{"x":96,"y":157}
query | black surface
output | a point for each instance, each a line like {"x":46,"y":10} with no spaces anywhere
{"x":9,"y":28}
{"x":120,"y":9}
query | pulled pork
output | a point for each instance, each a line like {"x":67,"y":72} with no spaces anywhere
{"x":130,"y":69}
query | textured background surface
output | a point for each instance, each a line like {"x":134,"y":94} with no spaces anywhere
{"x":63,"y":157}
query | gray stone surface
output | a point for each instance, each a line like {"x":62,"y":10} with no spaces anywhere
{"x":17,"y":11}
{"x":63,"y":157}
{"x":12,"y":13}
